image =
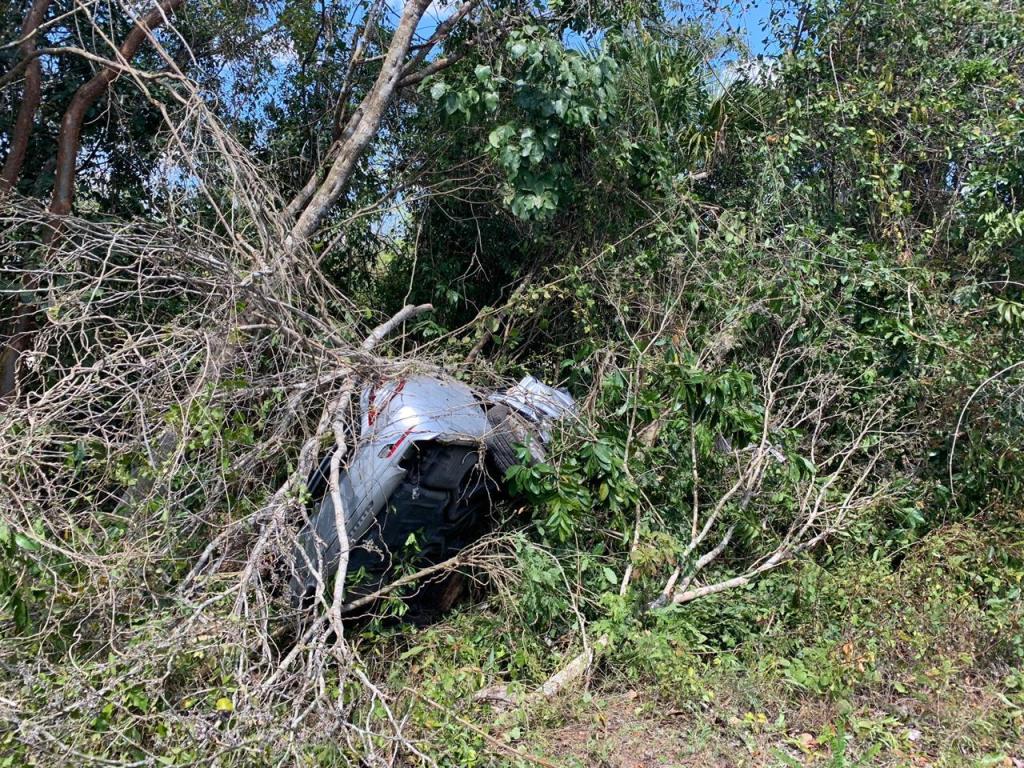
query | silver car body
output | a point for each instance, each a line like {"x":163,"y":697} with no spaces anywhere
{"x":540,"y":405}
{"x":394,"y":417}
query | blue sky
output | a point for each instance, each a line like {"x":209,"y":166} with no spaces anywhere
{"x":750,"y":23}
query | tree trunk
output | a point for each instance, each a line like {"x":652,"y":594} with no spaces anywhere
{"x":70,"y":135}
{"x":30,"y":97}
{"x":362,"y":127}
{"x":68,"y":142}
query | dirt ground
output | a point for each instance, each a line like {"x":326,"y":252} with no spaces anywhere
{"x":633,"y":730}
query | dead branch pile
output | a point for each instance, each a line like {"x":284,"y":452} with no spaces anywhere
{"x":162,"y":403}
{"x":152,"y":461}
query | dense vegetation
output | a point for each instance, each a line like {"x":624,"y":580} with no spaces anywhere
{"x":787,"y":291}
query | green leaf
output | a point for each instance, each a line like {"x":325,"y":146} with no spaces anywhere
{"x":415,"y":650}
{"x":499,"y":135}
{"x":20,"y":613}
{"x":24,"y":542}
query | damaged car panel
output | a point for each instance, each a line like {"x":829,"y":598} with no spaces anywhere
{"x":428,"y":462}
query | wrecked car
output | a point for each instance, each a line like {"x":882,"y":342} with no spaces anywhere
{"x":429,"y":462}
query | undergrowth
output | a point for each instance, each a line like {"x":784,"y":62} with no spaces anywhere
{"x":915,"y":660}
